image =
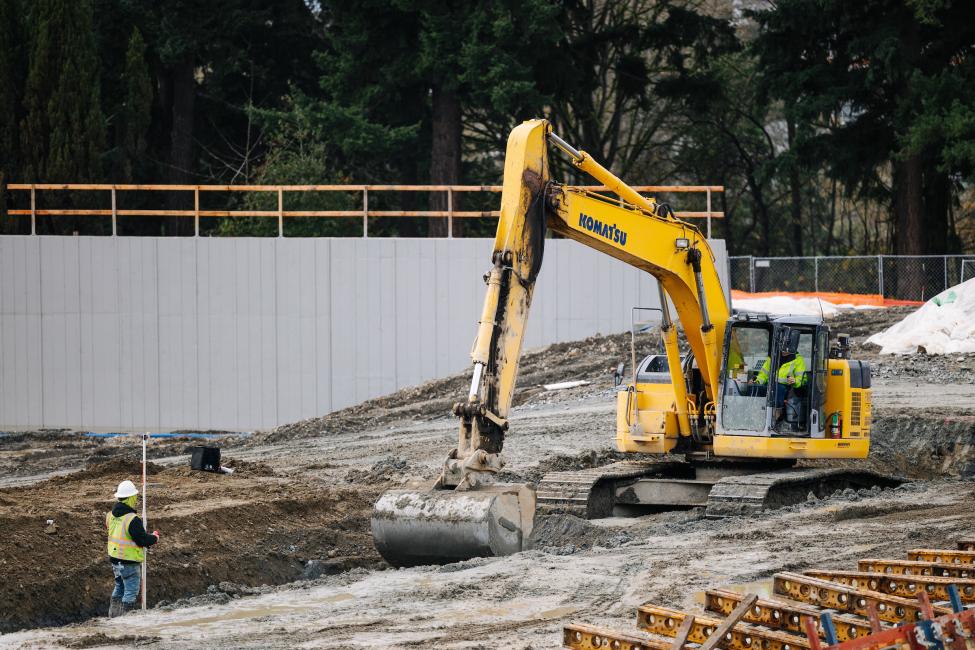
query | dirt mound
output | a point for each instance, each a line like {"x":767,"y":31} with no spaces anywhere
{"x":250,"y":468}
{"x":246,"y":529}
{"x":861,"y":323}
{"x":125,"y":468}
{"x":592,"y":359}
{"x":567,"y":534}
{"x":567,"y":463}
{"x":384,"y":471}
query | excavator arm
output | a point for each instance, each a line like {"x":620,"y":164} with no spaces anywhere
{"x":637,"y":231}
{"x":516,"y":260}
{"x":467,"y":513}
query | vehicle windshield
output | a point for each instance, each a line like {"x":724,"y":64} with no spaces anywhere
{"x":747,"y":377}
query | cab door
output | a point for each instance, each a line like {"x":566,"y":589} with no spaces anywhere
{"x":817,"y":402}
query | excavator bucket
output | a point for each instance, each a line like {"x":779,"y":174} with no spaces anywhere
{"x":416,"y":527}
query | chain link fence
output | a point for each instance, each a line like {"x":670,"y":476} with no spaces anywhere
{"x":894,"y":277}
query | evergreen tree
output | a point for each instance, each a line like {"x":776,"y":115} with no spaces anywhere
{"x":482,"y":55}
{"x":136,"y":112}
{"x":212,"y":61}
{"x":11,"y":89}
{"x":63,"y":131}
{"x":872,"y":77}
{"x":408,"y":88}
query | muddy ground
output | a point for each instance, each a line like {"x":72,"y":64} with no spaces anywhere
{"x":297,"y":507}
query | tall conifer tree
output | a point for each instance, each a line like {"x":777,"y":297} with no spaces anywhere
{"x":136,"y":111}
{"x":63,"y":130}
{"x":11,"y":85}
{"x":11,"y":91}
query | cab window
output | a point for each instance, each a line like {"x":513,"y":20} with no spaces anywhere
{"x":746,"y":378}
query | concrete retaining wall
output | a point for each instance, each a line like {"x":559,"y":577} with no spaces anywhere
{"x":105,"y":333}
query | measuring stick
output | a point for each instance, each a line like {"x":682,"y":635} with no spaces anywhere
{"x":145,"y":520}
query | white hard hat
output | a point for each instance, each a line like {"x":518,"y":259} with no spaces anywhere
{"x":125,"y":490}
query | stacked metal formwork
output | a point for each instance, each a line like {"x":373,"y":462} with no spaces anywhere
{"x":926,"y":602}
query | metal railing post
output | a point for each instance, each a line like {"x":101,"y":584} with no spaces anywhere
{"x":196,"y":211}
{"x":946,"y":272}
{"x":709,"y":213}
{"x":751,"y":273}
{"x":880,"y":274}
{"x":280,"y":212}
{"x":33,"y":211}
{"x":365,"y":213}
{"x":816,"y":273}
{"x":450,"y":213}
{"x":114,"y":214}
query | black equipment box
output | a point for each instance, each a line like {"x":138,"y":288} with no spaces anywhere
{"x":206,"y":459}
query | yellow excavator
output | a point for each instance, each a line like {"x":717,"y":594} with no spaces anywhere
{"x":724,"y":422}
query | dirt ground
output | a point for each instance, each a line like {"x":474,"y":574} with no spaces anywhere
{"x":279,"y":553}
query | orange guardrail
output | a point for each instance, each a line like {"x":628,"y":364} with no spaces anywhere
{"x":281,"y":213}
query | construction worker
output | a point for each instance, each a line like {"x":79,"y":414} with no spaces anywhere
{"x":127,"y":543}
{"x":792,"y":374}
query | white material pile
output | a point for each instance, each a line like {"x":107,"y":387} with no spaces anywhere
{"x":793,"y":306}
{"x":943,"y":325}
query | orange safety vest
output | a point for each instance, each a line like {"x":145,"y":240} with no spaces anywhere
{"x":120,"y":543}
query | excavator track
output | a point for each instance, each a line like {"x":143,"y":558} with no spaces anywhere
{"x":592,"y":493}
{"x":750,"y":494}
{"x":589,"y":493}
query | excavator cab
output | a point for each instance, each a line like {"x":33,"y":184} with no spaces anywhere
{"x":780,"y":390}
{"x":770,"y":383}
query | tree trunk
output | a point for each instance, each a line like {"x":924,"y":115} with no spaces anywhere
{"x":908,"y":213}
{"x":937,"y":196}
{"x":764,"y":222}
{"x":832,"y":218}
{"x":908,"y":206}
{"x":794,"y":191}
{"x":181,"y":142}
{"x":445,"y":156}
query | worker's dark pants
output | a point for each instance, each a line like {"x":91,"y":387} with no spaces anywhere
{"x":128,"y":579}
{"x":780,"y":392}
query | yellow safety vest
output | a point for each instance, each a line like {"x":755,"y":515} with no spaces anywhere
{"x":795,"y":368}
{"x":120,"y":543}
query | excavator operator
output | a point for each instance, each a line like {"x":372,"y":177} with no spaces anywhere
{"x":792,"y":374}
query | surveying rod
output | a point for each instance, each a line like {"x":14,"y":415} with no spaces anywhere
{"x":145,"y":520}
